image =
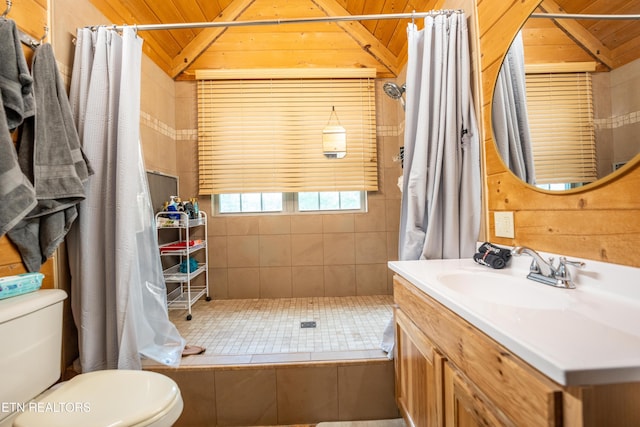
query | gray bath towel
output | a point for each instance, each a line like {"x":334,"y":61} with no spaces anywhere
{"x":51,"y":156}
{"x":15,"y":80}
{"x":50,"y":152}
{"x":16,"y":192}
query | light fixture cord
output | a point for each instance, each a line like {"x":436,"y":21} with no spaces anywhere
{"x":333,"y":113}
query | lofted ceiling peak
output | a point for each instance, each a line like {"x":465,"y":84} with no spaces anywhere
{"x":378,"y":44}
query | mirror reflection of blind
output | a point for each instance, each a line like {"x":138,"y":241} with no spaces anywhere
{"x":560,"y":107}
{"x":265,"y":134}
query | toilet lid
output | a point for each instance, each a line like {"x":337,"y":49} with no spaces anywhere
{"x":104,"y":398}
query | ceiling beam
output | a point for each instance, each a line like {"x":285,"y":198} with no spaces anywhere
{"x":579,"y":34}
{"x":367,"y":41}
{"x":206,"y":37}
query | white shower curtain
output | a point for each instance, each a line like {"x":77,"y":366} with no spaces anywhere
{"x":118,"y":293}
{"x":440,"y":216}
{"x":440,"y":213}
{"x":509,"y":117}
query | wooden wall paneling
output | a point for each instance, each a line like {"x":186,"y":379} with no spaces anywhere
{"x":363,"y":38}
{"x":30,"y":17}
{"x":262,"y":41}
{"x":297,"y":45}
{"x":599,"y":222}
{"x":560,"y":231}
{"x":546,"y":43}
{"x":626,"y":52}
{"x":11,"y":264}
{"x":505,"y":18}
{"x":582,"y":36}
{"x":507,"y":192}
{"x":206,"y":38}
{"x":290,"y":59}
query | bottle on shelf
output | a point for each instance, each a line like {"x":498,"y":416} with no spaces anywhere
{"x":173,"y":207}
{"x":196,"y":209}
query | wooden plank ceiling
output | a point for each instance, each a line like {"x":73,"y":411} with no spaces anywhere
{"x":610,"y":43}
{"x":377,"y":44}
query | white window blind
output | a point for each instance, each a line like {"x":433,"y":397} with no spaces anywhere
{"x":265,"y":134}
{"x":560,"y":108}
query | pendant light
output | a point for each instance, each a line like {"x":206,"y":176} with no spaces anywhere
{"x":334,"y":138}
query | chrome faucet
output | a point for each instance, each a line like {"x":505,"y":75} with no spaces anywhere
{"x":545,"y":272}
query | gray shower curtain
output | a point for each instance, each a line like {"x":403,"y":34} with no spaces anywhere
{"x":440,"y":213}
{"x":440,"y":216}
{"x":509,"y":117}
{"x":118,"y":293}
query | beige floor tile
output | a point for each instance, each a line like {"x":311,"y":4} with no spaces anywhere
{"x":273,"y":326}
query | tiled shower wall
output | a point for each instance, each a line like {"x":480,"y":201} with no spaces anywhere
{"x":157,"y":97}
{"x":274,"y":255}
{"x":304,"y":255}
{"x":617,"y":115}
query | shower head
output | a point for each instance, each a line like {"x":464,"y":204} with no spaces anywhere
{"x":394,"y":91}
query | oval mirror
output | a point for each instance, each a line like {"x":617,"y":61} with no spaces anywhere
{"x":566,"y":106}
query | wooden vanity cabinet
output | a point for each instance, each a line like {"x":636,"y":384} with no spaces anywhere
{"x":448,"y":373}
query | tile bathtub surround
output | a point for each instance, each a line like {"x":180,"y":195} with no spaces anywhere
{"x":269,"y":330}
{"x":262,"y":368}
{"x":285,"y":395}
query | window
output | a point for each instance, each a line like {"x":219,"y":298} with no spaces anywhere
{"x":314,"y":201}
{"x":329,"y":200}
{"x":560,"y":109}
{"x":262,"y":135}
{"x":249,"y":202}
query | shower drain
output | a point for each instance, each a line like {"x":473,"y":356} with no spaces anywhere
{"x":309,"y":324}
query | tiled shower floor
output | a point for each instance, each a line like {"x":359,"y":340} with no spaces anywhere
{"x":269,"y":330}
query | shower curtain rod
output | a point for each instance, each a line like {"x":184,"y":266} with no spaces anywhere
{"x":322,"y":19}
{"x":413,"y":15}
{"x":583,"y":16}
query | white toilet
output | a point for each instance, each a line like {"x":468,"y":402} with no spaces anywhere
{"x":30,"y":363}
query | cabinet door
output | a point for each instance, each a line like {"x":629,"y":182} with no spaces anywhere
{"x":525,"y":396}
{"x":418,"y":375}
{"x":464,"y":404}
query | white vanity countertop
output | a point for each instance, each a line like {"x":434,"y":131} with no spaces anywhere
{"x":582,"y":336}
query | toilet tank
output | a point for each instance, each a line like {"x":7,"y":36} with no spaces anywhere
{"x":30,"y":345}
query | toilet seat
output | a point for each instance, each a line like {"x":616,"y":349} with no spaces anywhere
{"x":107,"y":398}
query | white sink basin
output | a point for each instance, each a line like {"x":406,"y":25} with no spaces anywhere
{"x":505,"y":289}
{"x":583,"y":336}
